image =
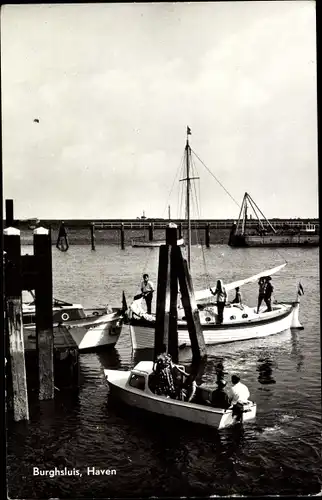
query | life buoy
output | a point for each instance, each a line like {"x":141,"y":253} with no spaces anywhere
{"x":95,"y":313}
{"x":245,"y":315}
{"x":207,"y":319}
{"x":232,"y":317}
{"x":65,"y":317}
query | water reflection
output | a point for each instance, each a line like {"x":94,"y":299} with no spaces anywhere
{"x":265,"y":369}
{"x":296,"y":352}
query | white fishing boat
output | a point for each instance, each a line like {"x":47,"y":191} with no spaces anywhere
{"x":91,"y":329}
{"x":132,"y":387}
{"x":239,"y":323}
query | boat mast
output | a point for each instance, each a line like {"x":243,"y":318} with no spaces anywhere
{"x":188,"y":194}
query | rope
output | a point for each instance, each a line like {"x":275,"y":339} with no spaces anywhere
{"x":216,"y":179}
{"x":174,"y":180}
{"x":198,"y":210}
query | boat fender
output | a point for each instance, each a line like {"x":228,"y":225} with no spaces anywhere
{"x":245,"y":315}
{"x":65,"y":316}
{"x":233,"y":317}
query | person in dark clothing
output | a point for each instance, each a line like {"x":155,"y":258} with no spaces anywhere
{"x":238,"y":298}
{"x":261,"y":292}
{"x":147,"y":290}
{"x":219,"y":397}
{"x":163,"y":382}
{"x":268,"y":293}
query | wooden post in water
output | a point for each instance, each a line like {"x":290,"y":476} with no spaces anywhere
{"x":180,"y":231}
{"x":171,"y":239}
{"x":9,"y":213}
{"x":163,"y":302}
{"x":44,"y":313}
{"x":93,"y":235}
{"x":207,"y":235}
{"x":151,"y":227}
{"x":122,"y":236}
{"x":13,"y":307}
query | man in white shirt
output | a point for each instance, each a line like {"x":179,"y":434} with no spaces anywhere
{"x":147,"y":290}
{"x":238,"y":396}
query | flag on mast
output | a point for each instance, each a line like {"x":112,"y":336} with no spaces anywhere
{"x":300,"y":290}
{"x":188,"y":131}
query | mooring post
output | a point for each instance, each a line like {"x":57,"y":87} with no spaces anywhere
{"x":44,"y":312}
{"x":122,"y":236}
{"x":207,"y":235}
{"x":151,"y":227}
{"x":180,"y":231}
{"x":9,"y":213}
{"x":171,"y":239}
{"x":166,"y":336}
{"x":15,"y":339}
{"x":163,"y":302}
{"x":93,"y":235}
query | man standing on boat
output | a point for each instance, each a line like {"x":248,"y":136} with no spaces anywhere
{"x":147,"y":290}
{"x":268,"y":293}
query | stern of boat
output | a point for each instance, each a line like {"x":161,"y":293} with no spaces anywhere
{"x":249,"y":413}
{"x":296,"y":324}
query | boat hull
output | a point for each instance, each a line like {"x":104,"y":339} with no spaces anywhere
{"x":153,"y":244}
{"x":142,"y":335}
{"x":91,"y":334}
{"x":297,"y":240}
{"x":190,"y":412}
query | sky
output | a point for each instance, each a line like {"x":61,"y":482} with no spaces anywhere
{"x":114,"y":87}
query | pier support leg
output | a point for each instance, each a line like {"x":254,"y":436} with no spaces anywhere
{"x":9,"y":213}
{"x":44,"y":313}
{"x":180,"y":231}
{"x":122,"y":236}
{"x":151,"y":227}
{"x":207,"y":235}
{"x":13,"y":307}
{"x":62,"y":239}
{"x":93,"y":235}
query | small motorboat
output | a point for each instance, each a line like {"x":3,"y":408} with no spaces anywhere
{"x":91,"y":329}
{"x":132,"y":387}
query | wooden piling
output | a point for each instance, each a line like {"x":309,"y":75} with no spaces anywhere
{"x":151,"y":227}
{"x":163,"y":302}
{"x":9,"y":213}
{"x":93,"y":235}
{"x":122,"y":236}
{"x":14,"y":323}
{"x":44,"y":313}
{"x":207,"y":235}
{"x":171,"y":239}
{"x":180,"y":231}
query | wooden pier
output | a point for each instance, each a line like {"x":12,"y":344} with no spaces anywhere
{"x":52,"y":352}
